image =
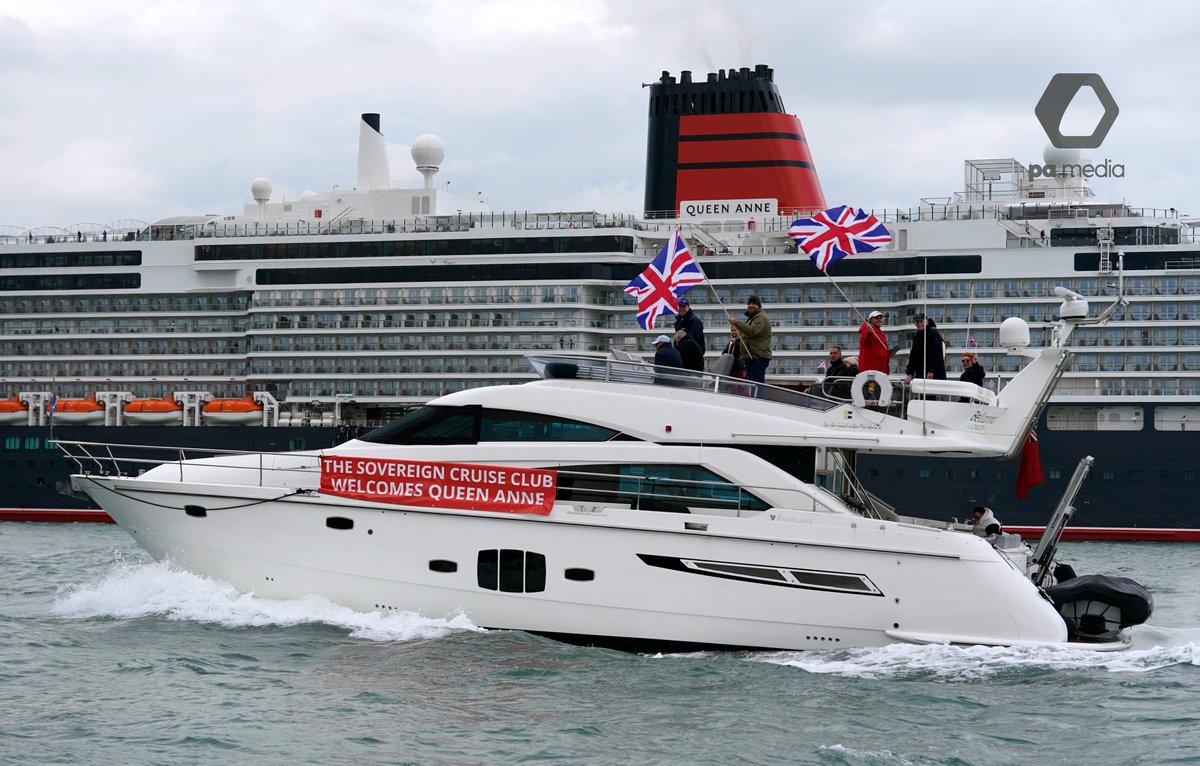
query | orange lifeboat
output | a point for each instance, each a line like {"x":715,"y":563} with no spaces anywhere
{"x":13,"y":412}
{"x":78,"y":412}
{"x":154,"y":412}
{"x":232,"y":412}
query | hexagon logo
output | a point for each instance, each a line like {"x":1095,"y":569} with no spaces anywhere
{"x":1052,"y":106}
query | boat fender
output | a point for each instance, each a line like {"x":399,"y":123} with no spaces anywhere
{"x":871,"y":388}
{"x":1134,"y":601}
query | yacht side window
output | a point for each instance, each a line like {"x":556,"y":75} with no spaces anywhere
{"x":654,"y":487}
{"x":472,"y":424}
{"x":431,"y":425}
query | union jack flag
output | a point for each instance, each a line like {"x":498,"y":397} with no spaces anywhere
{"x":832,"y":234}
{"x":671,"y":274}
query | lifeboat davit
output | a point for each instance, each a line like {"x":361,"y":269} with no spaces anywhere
{"x":232,"y":412}
{"x":154,"y":412}
{"x":78,"y":412}
{"x":13,"y":412}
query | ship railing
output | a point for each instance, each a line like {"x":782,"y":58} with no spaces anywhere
{"x":113,"y":459}
{"x":631,"y":369}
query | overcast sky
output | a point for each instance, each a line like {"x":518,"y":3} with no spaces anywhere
{"x":141,"y":110}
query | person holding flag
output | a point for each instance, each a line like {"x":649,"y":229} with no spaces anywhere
{"x":755,"y":334}
{"x":873,"y":351}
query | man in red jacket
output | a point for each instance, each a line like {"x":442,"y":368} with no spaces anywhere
{"x":873,"y":351}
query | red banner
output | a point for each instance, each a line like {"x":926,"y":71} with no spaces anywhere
{"x":440,"y":485}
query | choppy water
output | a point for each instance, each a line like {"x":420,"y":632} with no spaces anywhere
{"x":109,"y":658}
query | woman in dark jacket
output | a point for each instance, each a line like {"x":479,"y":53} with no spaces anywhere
{"x":973,"y":372}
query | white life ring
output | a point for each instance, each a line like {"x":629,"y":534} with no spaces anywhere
{"x":871,"y":386}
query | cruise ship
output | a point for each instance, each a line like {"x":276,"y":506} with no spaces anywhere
{"x":305,"y":320}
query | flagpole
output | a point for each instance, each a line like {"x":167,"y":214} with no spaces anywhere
{"x":844,"y":296}
{"x":720,"y":303}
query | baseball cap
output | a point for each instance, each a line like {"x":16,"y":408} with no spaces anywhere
{"x":661,"y":339}
{"x":918,"y":317}
{"x":874,"y":314}
{"x":684,"y":302}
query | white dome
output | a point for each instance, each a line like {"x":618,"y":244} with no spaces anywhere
{"x":308,"y":194}
{"x":260,"y":189}
{"x":428,"y":151}
{"x":1053,"y":155}
{"x":1014,"y":333}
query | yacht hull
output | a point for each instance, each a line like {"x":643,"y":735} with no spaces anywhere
{"x":611,"y":576}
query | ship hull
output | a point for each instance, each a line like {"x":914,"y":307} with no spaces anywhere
{"x":1142,"y":488}
{"x":38,"y":475}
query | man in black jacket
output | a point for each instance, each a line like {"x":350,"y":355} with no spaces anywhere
{"x":687,"y":321}
{"x":835,"y":366}
{"x":693,"y":355}
{"x":927,"y":359}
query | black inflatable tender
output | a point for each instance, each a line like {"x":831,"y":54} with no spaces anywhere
{"x":1134,"y":601}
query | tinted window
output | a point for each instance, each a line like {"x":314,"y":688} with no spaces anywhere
{"x":651,"y":486}
{"x":471,"y":424}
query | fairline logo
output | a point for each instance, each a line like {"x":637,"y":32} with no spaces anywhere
{"x":1050,"y":110}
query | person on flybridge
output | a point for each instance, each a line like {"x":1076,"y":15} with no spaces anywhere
{"x":985,"y":522}
{"x":927,"y":359}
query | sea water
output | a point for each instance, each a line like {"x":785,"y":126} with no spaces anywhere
{"x":107,"y":657}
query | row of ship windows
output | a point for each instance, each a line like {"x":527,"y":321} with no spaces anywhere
{"x":1052,"y":474}
{"x":1113,"y":335}
{"x":160,"y":382}
{"x":771,"y":295}
{"x":433,"y":359}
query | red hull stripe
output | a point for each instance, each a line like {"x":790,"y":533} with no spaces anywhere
{"x":1115,"y":534}
{"x":54,"y":515}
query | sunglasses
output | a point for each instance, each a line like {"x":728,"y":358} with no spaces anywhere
{"x":967,"y":360}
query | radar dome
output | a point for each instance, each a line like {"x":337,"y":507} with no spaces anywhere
{"x":307,"y":195}
{"x":1014,"y":333}
{"x":260,"y":189}
{"x":428,"y":151}
{"x":1059,"y":157}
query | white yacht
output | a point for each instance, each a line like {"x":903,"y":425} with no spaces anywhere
{"x":616,"y":503}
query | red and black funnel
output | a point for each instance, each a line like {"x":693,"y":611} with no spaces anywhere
{"x":727,"y":138}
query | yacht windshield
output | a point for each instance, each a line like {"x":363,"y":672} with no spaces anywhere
{"x":472,"y":424}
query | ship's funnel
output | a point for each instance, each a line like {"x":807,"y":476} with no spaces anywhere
{"x":372,"y":155}
{"x":726,"y":140}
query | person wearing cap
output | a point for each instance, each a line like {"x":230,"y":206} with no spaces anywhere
{"x":690,"y":351}
{"x":873,"y":351}
{"x":927,"y":359}
{"x":665,"y":354}
{"x":688,"y":321}
{"x":755,"y":333}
